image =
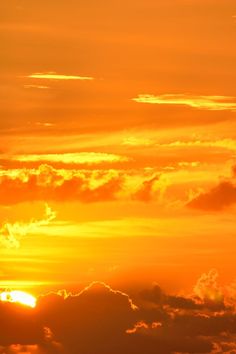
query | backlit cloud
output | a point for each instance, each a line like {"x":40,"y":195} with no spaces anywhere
{"x":154,"y":322}
{"x":207,"y":288}
{"x":211,"y":103}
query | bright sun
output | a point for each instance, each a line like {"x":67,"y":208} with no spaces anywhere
{"x":19,"y":297}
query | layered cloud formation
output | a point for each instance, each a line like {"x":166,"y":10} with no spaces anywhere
{"x":47,"y":183}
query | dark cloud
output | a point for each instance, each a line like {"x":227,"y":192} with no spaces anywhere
{"x":207,"y":296}
{"x":218,"y":198}
{"x":19,"y":325}
{"x":102,"y":320}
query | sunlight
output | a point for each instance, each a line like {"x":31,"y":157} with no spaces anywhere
{"x":18,"y":297}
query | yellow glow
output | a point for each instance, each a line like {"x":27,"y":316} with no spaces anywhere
{"x":18,"y":297}
{"x":210,"y":103}
{"x":55,"y":76}
{"x":23,"y":284}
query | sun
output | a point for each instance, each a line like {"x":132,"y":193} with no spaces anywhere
{"x":19,"y":297}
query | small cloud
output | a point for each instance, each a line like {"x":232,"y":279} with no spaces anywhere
{"x":46,"y":124}
{"x":39,"y":87}
{"x":10,"y":234}
{"x":138,"y":326}
{"x":134,"y":141}
{"x":210,"y":103}
{"x":55,"y":76}
{"x":185,"y":164}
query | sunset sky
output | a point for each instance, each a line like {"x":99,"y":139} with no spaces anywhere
{"x":118,"y":175}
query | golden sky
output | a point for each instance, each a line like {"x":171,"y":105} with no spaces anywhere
{"x":117,"y":147}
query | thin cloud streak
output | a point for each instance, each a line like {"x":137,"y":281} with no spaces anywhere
{"x":210,"y":103}
{"x":73,"y":158}
{"x":229,"y":144}
{"x":39,"y":87}
{"x":55,"y":76}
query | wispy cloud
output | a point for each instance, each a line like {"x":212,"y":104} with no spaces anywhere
{"x":210,"y":103}
{"x":137,"y":141}
{"x":39,"y":87}
{"x":45,"y":124}
{"x":229,"y":144}
{"x":10,"y":234}
{"x":73,"y":158}
{"x":55,"y":76}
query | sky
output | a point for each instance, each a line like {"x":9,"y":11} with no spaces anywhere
{"x":118,"y":175}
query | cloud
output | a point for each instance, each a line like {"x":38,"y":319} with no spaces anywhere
{"x":219,"y":197}
{"x":229,"y":144}
{"x":88,"y":158}
{"x":210,"y":103}
{"x":207,"y":288}
{"x":207,"y":295}
{"x":100,"y":319}
{"x":11,"y":234}
{"x":45,"y":124}
{"x":55,"y":76}
{"x":159,"y":298}
{"x":49,"y":184}
{"x":97,"y":312}
{"x":146,"y":191}
{"x":137,"y":141}
{"x":19,"y":325}
{"x":40,"y":87}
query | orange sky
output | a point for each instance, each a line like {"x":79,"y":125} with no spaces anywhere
{"x":118,"y":176}
{"x":118,"y":142}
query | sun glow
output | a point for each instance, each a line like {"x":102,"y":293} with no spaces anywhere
{"x":18,"y":297}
